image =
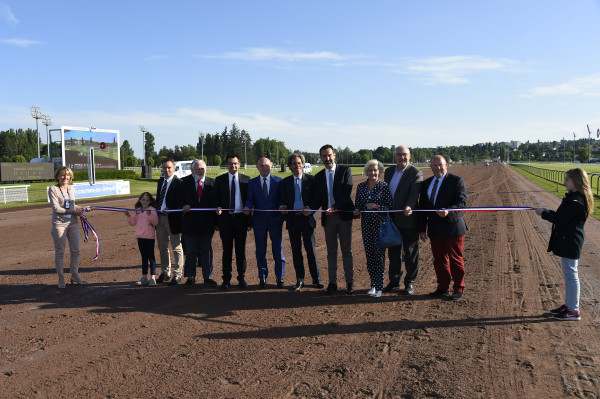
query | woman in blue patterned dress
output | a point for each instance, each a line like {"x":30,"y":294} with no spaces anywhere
{"x":373,"y":194}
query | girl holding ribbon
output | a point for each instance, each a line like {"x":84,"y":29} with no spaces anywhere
{"x":145,"y":220}
{"x":568,"y":235}
{"x":64,"y":225}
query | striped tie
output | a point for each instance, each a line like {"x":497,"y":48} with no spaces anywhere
{"x":161,"y":196}
{"x":433,"y":190}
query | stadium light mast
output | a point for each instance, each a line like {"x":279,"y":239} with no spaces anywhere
{"x":202,"y":143}
{"x":143,"y":129}
{"x":48,"y":122}
{"x":37,"y":115}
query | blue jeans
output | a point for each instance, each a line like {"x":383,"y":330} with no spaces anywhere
{"x":569,"y":268}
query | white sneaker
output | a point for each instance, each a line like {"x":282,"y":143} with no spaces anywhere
{"x":143,"y":281}
{"x":377,"y":294}
{"x":371,"y":291}
{"x":152,"y":282}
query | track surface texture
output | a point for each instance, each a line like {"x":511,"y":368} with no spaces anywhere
{"x":114,"y":340}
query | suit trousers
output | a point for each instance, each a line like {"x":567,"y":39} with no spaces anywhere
{"x":274,"y":229}
{"x":234,"y":235}
{"x":61,"y":233}
{"x":304,"y":233}
{"x":337,"y":228}
{"x":163,"y":236}
{"x":448,"y":262}
{"x":410,"y":243}
{"x":198,"y":248}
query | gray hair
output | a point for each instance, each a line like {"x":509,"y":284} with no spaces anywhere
{"x":195,"y":162}
{"x":371,"y":163}
{"x":293,"y":156}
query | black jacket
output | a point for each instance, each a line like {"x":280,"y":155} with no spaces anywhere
{"x":172,"y":202}
{"x":567,"y":235}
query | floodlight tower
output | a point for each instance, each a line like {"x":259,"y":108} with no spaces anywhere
{"x":37,"y":115}
{"x":202,"y":142}
{"x":48,"y":122}
{"x":143,"y":129}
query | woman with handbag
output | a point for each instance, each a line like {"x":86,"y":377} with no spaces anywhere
{"x":372,"y":195}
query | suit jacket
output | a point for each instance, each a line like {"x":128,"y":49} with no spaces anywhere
{"x":172,"y":202}
{"x":287,"y":196}
{"x":197,"y":223}
{"x":342,"y":190}
{"x":452,"y":193}
{"x":256,"y":199}
{"x":407,"y":194}
{"x":222,"y":198}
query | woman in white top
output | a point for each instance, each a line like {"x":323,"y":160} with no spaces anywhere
{"x":64,"y":225}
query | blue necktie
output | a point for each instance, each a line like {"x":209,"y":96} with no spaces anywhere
{"x":297,"y":195}
{"x":264,"y":187}
{"x":331,"y":201}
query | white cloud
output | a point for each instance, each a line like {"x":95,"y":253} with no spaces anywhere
{"x":273,"y":54}
{"x":20,"y":42}
{"x":7,"y":15}
{"x":454,"y":69}
{"x":586,"y":86}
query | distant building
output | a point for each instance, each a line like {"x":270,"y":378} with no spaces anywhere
{"x":514,"y":144}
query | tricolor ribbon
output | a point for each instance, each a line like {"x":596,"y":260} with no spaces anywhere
{"x":88,"y":227}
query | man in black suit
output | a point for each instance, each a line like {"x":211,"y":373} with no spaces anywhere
{"x":198,"y":191}
{"x":445,"y":228}
{"x":295,"y":192}
{"x":231,"y":193}
{"x":405,"y":184}
{"x":169,"y":224}
{"x":333,"y":188}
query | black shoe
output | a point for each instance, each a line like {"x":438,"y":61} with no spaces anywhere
{"x":350,"y":289}
{"x":409,"y":289}
{"x":176,"y":279}
{"x":224,"y":286}
{"x":439,"y":293}
{"x":457,"y":296}
{"x":280,"y":283}
{"x":331,"y":288}
{"x":210,"y":282}
{"x":242,"y":284}
{"x":262,"y":284}
{"x":188,"y":284}
{"x":161,"y":279}
{"x":391,"y":287}
{"x":318,"y":284}
{"x":298,"y":286}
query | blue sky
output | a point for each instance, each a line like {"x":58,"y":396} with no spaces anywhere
{"x":348,"y":73}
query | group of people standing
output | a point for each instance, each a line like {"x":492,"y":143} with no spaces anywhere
{"x":263,"y":204}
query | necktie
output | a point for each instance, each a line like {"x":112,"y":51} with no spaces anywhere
{"x":265,"y":189}
{"x":161,"y":196}
{"x":297,"y":195}
{"x":199,"y":190}
{"x":232,"y":194}
{"x":433,"y":191}
{"x":331,"y":201}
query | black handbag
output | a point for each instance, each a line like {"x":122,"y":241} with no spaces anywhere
{"x":389,"y":236}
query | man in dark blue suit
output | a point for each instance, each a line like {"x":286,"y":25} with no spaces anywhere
{"x":445,"y":228}
{"x":295,"y":193}
{"x":263,"y":193}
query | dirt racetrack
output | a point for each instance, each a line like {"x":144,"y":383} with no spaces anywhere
{"x":114,"y":340}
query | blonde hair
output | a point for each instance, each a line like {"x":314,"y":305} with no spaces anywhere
{"x":62,"y":169}
{"x":582,"y":185}
{"x":371,"y":163}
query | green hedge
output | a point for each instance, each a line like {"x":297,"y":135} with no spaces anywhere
{"x":82,"y":175}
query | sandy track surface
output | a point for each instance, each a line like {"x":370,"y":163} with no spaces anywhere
{"x":112,"y":339}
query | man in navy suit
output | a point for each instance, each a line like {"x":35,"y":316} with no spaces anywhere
{"x":231,"y":193}
{"x":197,"y":191}
{"x":263,"y":193}
{"x":445,"y":228}
{"x":295,"y":193}
{"x":333,"y":189}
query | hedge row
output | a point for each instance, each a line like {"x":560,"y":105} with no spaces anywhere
{"x":81,"y":175}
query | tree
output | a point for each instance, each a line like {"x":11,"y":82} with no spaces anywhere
{"x":582,"y":154}
{"x":19,"y":158}
{"x":149,"y":145}
{"x":126,"y":154}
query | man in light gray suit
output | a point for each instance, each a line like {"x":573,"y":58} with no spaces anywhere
{"x":405,"y":182}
